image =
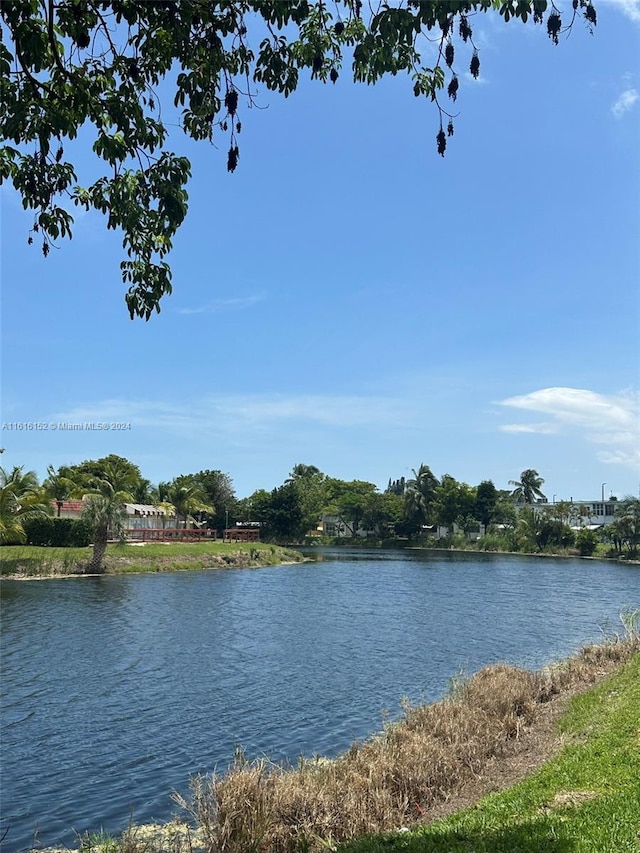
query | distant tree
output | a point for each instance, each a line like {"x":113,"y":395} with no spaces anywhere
{"x":58,"y":487}
{"x":528,"y":530}
{"x":349,"y":499}
{"x":383,"y":514}
{"x":73,"y":66}
{"x":586,"y":542}
{"x":505,"y":512}
{"x":527,"y":488}
{"x":143,"y":492}
{"x":21,"y":499}
{"x":312,"y":487}
{"x":396,"y":487}
{"x":283,"y":516}
{"x":119,"y":473}
{"x":420,"y":495}
{"x":627,"y":521}
{"x":188,"y":497}
{"x":564,"y":511}
{"x":254,"y":508}
{"x":455,"y":503}
{"x":486,"y":502}
{"x":106,"y":516}
{"x":218,"y":489}
{"x":104,"y":509}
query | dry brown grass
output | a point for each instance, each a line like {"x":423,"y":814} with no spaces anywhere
{"x":396,"y":777}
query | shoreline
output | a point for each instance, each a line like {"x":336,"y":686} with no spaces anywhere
{"x":520,"y":713}
{"x":256,"y":555}
{"x":45,"y":564}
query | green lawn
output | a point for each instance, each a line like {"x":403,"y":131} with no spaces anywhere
{"x":587,"y":800}
{"x":30,"y":560}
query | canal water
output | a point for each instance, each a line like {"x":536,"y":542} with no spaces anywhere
{"x":115,"y":690}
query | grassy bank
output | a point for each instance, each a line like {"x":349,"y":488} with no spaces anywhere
{"x":571,"y":730}
{"x":585,"y":800}
{"x":32,"y":561}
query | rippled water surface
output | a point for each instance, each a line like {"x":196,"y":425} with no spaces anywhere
{"x":116,"y":689}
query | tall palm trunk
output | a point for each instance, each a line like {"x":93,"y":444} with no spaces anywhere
{"x":99,"y":549}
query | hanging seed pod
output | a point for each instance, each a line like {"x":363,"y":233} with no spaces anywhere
{"x":339,"y":28}
{"x":441,"y":139}
{"x":449,"y":54}
{"x":30,"y":240}
{"x":45,"y":249}
{"x":474,"y":65}
{"x":590,"y":15}
{"x":59,"y":154}
{"x":317,"y":63}
{"x":553,"y":27}
{"x":465,"y":29}
{"x":238,"y":127}
{"x":231,"y":101}
{"x":450,"y":129}
{"x":333,"y":75}
{"x":575,"y":5}
{"x":452,"y":88}
{"x":232,"y":158}
{"x":225,"y":126}
{"x":83,"y":41}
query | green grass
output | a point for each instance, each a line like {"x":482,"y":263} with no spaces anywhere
{"x":586,"y":800}
{"x":30,"y":560}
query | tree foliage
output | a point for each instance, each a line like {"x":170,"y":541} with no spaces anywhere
{"x":528,"y":487}
{"x":420,"y":495}
{"x":21,"y":499}
{"x":97,"y":66}
{"x":108,"y":475}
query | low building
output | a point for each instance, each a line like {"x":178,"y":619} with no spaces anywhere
{"x":147,"y":517}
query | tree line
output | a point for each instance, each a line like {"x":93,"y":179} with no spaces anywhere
{"x":420,"y":507}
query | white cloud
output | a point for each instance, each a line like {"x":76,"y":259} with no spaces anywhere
{"x":249,"y":414}
{"x":541,"y":429}
{"x":625,"y":102}
{"x":607,"y":420}
{"x":630,"y":8}
{"x":225,"y":304}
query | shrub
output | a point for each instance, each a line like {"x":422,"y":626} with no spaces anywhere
{"x":586,"y":542}
{"x":493,"y":542}
{"x":38,"y":530}
{"x":57,"y":532}
{"x":73,"y":532}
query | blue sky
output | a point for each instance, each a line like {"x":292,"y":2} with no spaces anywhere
{"x":351,"y":300}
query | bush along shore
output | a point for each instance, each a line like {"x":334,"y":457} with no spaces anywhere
{"x":570,"y":730}
{"x":28,"y":561}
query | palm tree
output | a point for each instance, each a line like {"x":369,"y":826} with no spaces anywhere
{"x":105,"y":512}
{"x":106,"y":515}
{"x":527,"y":488}
{"x":628,"y":522}
{"x":21,"y":498}
{"x":420,"y":494}
{"x":187,"y":497}
{"x":58,"y":487}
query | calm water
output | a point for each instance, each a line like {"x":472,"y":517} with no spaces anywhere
{"x":116,"y":689}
